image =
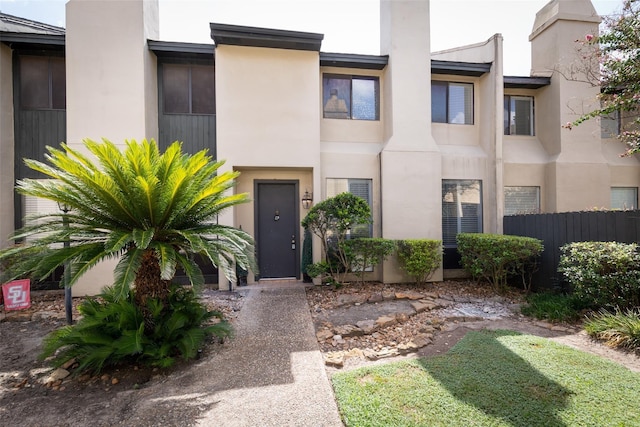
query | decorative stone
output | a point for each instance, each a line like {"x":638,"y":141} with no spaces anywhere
{"x":69,"y":363}
{"x":402,"y":317}
{"x":420,"y":306}
{"x":324,"y":334}
{"x":388,"y":295}
{"x":409,"y":295}
{"x":384,"y":321}
{"x":440,"y":302}
{"x":334,"y":358}
{"x":348,"y":331}
{"x":387,"y":352}
{"x":58,"y":375}
{"x":367,"y":326}
{"x":405,"y":348}
{"x":422,"y":340}
{"x":348,"y":299}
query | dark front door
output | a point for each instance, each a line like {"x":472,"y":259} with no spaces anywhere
{"x":277,"y":226}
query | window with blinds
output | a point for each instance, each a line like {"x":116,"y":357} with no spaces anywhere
{"x":518,"y":115}
{"x":624,"y":198}
{"x":461,"y":209}
{"x":521,"y":200}
{"x":452,"y":102}
{"x":358,"y":187}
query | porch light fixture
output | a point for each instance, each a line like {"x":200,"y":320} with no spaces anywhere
{"x":307,"y":199}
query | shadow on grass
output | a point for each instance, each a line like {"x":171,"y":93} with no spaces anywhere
{"x":480,"y":371}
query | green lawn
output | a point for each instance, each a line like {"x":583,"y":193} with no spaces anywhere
{"x":493,"y":378}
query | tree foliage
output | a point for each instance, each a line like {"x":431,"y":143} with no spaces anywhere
{"x":331,"y":220}
{"x":153,"y":211}
{"x":617,"y":63}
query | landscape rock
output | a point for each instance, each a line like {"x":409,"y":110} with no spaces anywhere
{"x":334,"y":358}
{"x":409,"y":295}
{"x":367,"y":326}
{"x":384,"y":321}
{"x":348,"y":331}
{"x":420,"y":306}
{"x":58,"y":375}
{"x":375,"y":297}
{"x":324,"y":334}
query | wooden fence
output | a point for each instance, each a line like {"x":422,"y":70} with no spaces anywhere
{"x":558,"y":229}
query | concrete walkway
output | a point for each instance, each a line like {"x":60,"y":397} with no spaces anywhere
{"x":271,"y":374}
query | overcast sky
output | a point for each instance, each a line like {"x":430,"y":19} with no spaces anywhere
{"x":349,"y":26}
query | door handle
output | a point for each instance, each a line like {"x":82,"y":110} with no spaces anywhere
{"x":293,"y":242}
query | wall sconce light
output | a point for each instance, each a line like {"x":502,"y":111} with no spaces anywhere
{"x":307,"y":199}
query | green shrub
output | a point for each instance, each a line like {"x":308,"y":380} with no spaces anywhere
{"x":366,"y":252}
{"x":619,"y":329}
{"x":552,"y":307}
{"x":113,"y":331}
{"x":331,"y":220}
{"x":420,"y":258}
{"x":496,"y":257}
{"x":602,"y":274}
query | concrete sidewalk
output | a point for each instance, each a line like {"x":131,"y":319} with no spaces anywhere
{"x":270,"y":374}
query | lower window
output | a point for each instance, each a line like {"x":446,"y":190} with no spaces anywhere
{"x":358,"y":187}
{"x":625,"y":198}
{"x":461,"y":209}
{"x":521,"y":200}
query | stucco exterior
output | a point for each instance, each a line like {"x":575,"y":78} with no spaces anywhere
{"x":272,"y":124}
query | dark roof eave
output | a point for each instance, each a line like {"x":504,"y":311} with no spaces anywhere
{"x":347,"y":60}
{"x":471,"y":69}
{"x":181,"y":50}
{"x":517,"y":82}
{"x":33,"y":41}
{"x":264,"y":37}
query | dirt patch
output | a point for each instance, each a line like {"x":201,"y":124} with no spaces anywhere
{"x":33,"y":394}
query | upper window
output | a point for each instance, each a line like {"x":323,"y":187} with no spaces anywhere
{"x":452,"y":102}
{"x":358,"y":187}
{"x":188,"y":89}
{"x":625,"y":198}
{"x":350,"y":97}
{"x":521,"y":200}
{"x":518,"y":115}
{"x":610,"y":125}
{"x":42,"y":83}
{"x":461,"y":209}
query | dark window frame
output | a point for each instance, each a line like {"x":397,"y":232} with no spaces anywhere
{"x":350,"y":109}
{"x":447,"y":85}
{"x":56,"y":83}
{"x":507,"y":115}
{"x":189,"y":66}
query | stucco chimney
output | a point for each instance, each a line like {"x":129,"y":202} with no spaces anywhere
{"x":111,"y":74}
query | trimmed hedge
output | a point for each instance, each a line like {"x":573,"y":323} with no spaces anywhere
{"x":497,"y":257}
{"x":420,"y":258}
{"x":602,"y":274}
{"x":365,"y":252}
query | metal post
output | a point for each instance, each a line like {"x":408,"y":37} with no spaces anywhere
{"x":68,"y":308}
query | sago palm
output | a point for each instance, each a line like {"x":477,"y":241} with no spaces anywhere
{"x":154,"y":211}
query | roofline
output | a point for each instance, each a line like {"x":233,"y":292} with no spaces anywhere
{"x":472,"y":69}
{"x":36,"y":25}
{"x":517,"y":82}
{"x":182,"y":50}
{"x":349,"y":60}
{"x":32,"y":40}
{"x":264,"y":37}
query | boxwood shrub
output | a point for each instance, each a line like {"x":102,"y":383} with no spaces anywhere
{"x":420,"y":258}
{"x":602,"y":274}
{"x":497,"y":257}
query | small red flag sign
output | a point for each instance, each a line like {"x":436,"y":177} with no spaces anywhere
{"x":17,"y":295}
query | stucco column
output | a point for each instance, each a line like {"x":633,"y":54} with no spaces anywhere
{"x":111,"y":83}
{"x":410,"y":163}
{"x":6,"y":146}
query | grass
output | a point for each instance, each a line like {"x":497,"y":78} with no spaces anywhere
{"x":552,"y":307}
{"x":619,"y":329}
{"x":492,"y":378}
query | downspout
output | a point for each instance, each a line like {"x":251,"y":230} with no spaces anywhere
{"x":498,"y":80}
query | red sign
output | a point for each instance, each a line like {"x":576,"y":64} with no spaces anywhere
{"x":17,"y":294}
